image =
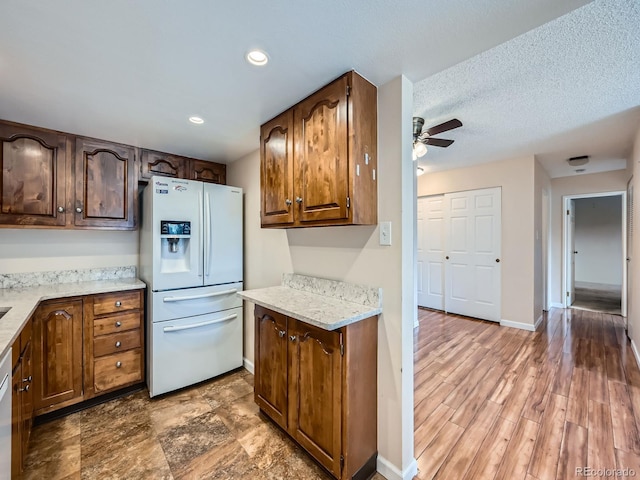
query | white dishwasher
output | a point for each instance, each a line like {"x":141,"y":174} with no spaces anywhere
{"x":5,"y":417}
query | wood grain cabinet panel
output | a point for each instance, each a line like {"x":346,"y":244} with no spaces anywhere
{"x":105,"y":185}
{"x":209,"y":172}
{"x":164,"y":164}
{"x":333,"y":158}
{"x":276,"y":170}
{"x":321,"y":387}
{"x":57,"y":354}
{"x":34,"y":168}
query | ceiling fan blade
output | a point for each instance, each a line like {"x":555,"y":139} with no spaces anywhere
{"x":443,"y":127}
{"x":438,"y":142}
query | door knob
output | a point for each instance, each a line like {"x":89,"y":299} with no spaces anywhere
{"x":79,"y":209}
{"x":575,"y":251}
{"x":447,"y":257}
{"x":497,"y":260}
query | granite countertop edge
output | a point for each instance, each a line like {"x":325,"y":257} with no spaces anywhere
{"x":328,"y":310}
{"x":22,"y":302}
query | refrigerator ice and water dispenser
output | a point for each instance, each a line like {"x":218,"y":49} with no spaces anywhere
{"x":175,"y":237}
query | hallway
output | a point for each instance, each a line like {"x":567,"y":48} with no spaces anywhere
{"x":499,"y":403}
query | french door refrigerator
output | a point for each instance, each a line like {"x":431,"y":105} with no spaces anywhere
{"x":191,"y":261}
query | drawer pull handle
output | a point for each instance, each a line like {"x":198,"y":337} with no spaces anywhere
{"x":205,"y":295}
{"x":25,"y":389}
{"x":118,"y":303}
{"x":292,"y":338}
{"x":198,"y":325}
{"x":118,"y":344}
{"x":118,"y":364}
{"x":118,"y":324}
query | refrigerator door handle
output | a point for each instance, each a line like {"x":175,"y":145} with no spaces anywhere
{"x":200,"y":236}
{"x":204,"y":295}
{"x":207,"y":233}
{"x":201,"y":324}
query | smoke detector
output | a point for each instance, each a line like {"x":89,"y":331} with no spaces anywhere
{"x":578,"y":161}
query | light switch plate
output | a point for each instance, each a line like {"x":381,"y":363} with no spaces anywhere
{"x":385,"y":233}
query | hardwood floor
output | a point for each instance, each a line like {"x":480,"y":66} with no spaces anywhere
{"x":494,"y":402}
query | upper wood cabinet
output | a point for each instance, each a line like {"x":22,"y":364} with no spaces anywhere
{"x":164,"y":164}
{"x":319,"y":159}
{"x":169,"y":165}
{"x":34,"y":172}
{"x":104,"y":185}
{"x":210,"y":172}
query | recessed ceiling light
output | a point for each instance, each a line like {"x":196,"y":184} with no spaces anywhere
{"x":257,"y":57}
{"x":196,"y":120}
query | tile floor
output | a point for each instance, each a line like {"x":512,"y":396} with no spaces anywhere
{"x":212,"y":430}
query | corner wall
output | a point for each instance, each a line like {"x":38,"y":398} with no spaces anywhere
{"x":516,"y":177}
{"x":633,"y":304}
{"x":353,"y":254}
{"x":542,"y":188}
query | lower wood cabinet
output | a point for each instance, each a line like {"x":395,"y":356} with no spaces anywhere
{"x":87,"y":346}
{"x":321,"y":387}
{"x":21,"y":399}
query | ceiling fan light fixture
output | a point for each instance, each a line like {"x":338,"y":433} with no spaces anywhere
{"x":419,"y":171}
{"x":419,"y":149}
{"x":578,"y":161}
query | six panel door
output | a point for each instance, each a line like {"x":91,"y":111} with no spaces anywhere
{"x":320,"y":124}
{"x":33,"y":164}
{"x":105,"y":184}
{"x":276,"y":170}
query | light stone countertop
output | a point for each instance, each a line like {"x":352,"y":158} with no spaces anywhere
{"x":337,"y":305}
{"x":23,"y":301}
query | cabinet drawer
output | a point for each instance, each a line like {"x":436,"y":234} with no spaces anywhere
{"x":115,"y":370}
{"x":116,"y":342}
{"x":116,"y":302}
{"x":116,"y":323}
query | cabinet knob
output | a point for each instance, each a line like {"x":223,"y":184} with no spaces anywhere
{"x":61,"y":209}
{"x":28,"y":379}
{"x":25,"y":389}
{"x":79,"y":209}
{"x":299,"y":199}
{"x":288,"y":202}
{"x":281,"y":333}
{"x":118,"y":303}
{"x":118,"y":324}
{"x":118,"y":364}
{"x":292,"y":338}
{"x":118,"y":344}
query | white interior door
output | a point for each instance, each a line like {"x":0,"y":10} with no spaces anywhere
{"x":472,"y":260}
{"x":431,"y":252}
{"x":571,"y":254}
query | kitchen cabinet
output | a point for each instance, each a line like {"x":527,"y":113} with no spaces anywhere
{"x":320,"y":386}
{"x":57,"y":354}
{"x":164,"y":164}
{"x":114,"y":341}
{"x":21,"y":399}
{"x":34,"y":171}
{"x":209,"y":172}
{"x":318,"y":159}
{"x":105,"y":185}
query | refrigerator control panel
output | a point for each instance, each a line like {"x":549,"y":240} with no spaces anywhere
{"x":172,"y":227}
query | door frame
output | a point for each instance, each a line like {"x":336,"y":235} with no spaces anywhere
{"x":566,"y":256}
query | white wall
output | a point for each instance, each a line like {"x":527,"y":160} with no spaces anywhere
{"x":598,"y":240}
{"x":516,"y":177}
{"x":615,"y":181}
{"x":633,"y":303}
{"x":33,"y":250}
{"x":542,"y":187}
{"x":353,"y":254}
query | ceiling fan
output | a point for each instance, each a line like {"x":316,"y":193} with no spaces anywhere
{"x":423,"y":138}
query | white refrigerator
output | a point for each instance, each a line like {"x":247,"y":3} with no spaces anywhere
{"x":191,"y":260}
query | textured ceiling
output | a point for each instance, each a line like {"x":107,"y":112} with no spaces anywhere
{"x":133,"y":71}
{"x":568,"y":88}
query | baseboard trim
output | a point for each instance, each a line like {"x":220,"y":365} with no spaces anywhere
{"x":519,"y":325}
{"x":248,"y":365}
{"x":389,"y":471}
{"x":635,"y":353}
{"x":557,"y":305}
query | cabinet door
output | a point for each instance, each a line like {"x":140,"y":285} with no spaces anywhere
{"x":270,"y":381}
{"x":164,"y":164}
{"x":57,"y":353}
{"x":26,"y":402}
{"x":276,"y":170}
{"x":33,"y":172}
{"x":209,"y":172}
{"x":105,"y":190}
{"x":16,"y":422}
{"x":315,"y":392}
{"x":321,"y":169}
